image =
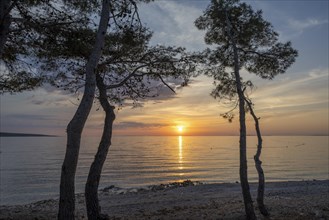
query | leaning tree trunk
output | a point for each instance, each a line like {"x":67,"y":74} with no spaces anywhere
{"x":258,"y":163}
{"x":91,"y":190}
{"x":75,"y":127}
{"x":248,"y":204}
{"x":5,"y":20}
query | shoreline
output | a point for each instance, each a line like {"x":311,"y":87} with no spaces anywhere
{"x":192,"y":200}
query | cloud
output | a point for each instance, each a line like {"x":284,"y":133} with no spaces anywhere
{"x":292,"y":20}
{"x":301,"y":25}
{"x":173,"y":23}
{"x":294,"y":28}
{"x":52,"y":97}
{"x":131,"y":124}
{"x":305,"y":92}
{"x":38,"y":102}
{"x":53,"y":100}
{"x":32,"y":117}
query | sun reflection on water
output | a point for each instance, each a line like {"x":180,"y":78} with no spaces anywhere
{"x":180,"y":154}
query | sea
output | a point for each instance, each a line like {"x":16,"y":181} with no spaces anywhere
{"x":30,"y":166}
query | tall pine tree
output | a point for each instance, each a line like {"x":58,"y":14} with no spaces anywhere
{"x":243,"y":39}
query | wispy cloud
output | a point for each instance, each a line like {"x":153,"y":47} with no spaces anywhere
{"x":133,"y":124}
{"x":301,"y":25}
{"x":307,"y":92}
{"x":295,"y":28}
{"x":173,"y":23}
{"x":31,"y":117}
{"x":50,"y":96}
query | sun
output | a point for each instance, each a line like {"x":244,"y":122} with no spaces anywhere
{"x":180,"y":128}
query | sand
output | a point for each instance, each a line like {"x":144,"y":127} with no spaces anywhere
{"x":285,"y":200}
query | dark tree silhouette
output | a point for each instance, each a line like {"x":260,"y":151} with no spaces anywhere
{"x":63,"y":46}
{"x":25,"y":27}
{"x":129,"y":70}
{"x":244,"y":40}
{"x":91,"y":191}
{"x":111,"y":14}
{"x":258,"y":162}
{"x":75,"y":127}
{"x":134,"y":73}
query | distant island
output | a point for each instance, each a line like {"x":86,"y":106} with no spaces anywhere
{"x":9,"y":134}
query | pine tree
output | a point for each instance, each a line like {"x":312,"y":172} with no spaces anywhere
{"x":243,"y":39}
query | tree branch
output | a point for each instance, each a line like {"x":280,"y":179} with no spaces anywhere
{"x":166,"y":84}
{"x":266,"y":55}
{"x":127,"y":78}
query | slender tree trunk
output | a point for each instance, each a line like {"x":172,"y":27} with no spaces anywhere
{"x":248,"y":203}
{"x":5,"y":20}
{"x":258,"y":163}
{"x":75,"y":127}
{"x":91,"y":190}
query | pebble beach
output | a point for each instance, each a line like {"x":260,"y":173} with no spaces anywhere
{"x":192,"y":200}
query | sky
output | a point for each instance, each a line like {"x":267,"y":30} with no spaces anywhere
{"x":294,"y":103}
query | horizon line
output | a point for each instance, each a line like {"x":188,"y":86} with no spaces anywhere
{"x":8,"y":134}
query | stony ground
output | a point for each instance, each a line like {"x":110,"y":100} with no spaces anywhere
{"x":285,"y":200}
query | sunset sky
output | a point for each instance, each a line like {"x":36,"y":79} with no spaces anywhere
{"x":295,"y":103}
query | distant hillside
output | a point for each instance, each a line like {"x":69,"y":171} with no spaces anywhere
{"x":9,"y":134}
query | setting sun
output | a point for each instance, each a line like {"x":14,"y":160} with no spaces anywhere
{"x":180,"y":128}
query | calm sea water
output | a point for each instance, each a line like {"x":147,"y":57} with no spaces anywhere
{"x":30,"y":166}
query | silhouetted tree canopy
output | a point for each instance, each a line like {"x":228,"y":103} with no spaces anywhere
{"x":258,"y":48}
{"x":33,"y":32}
{"x":130,"y":68}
